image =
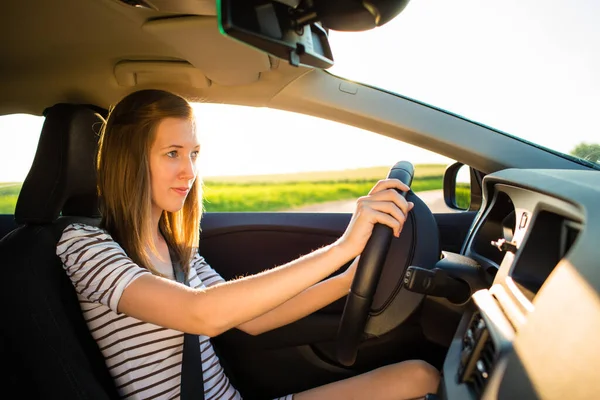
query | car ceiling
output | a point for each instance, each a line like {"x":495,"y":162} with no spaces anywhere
{"x":96,"y":51}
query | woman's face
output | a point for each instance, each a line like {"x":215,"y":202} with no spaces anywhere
{"x":173,"y":166}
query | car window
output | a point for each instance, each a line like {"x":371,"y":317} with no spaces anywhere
{"x":525,"y":69}
{"x":19,"y":135}
{"x":261,"y":159}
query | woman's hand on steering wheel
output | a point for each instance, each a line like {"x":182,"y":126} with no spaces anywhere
{"x":383,"y":205}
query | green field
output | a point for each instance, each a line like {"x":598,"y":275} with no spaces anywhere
{"x":9,"y":191}
{"x":290,"y":191}
{"x":221,"y":196}
{"x":372,"y":173}
{"x":281,"y":192}
{"x":463,"y":196}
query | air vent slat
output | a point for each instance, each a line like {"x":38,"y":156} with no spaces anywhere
{"x":478,"y":383}
{"x":483,"y":357}
{"x":488,"y":353}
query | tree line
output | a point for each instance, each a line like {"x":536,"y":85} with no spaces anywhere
{"x":587,"y":151}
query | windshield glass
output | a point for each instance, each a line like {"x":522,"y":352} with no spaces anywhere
{"x":528,"y":68}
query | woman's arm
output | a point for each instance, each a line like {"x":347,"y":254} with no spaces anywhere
{"x":310,"y":300}
{"x":219,"y":308}
{"x":224,"y":306}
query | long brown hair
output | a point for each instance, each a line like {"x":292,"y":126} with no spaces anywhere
{"x":124,"y":179}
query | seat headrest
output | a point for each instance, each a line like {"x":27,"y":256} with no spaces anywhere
{"x":62,"y":178}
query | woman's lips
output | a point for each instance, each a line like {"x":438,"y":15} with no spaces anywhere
{"x":181,"y":191}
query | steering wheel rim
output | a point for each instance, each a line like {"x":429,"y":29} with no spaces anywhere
{"x":366,"y":278}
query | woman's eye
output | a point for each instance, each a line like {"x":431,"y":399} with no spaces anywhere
{"x":172,"y":154}
{"x":195,"y":154}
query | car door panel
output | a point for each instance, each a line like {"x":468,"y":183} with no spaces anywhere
{"x":301,"y":355}
{"x":7,"y":224}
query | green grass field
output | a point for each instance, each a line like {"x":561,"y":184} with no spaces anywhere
{"x":289,"y":191}
{"x":463,"y":196}
{"x":9,"y":191}
{"x":222,"y":196}
{"x":281,"y":192}
{"x":372,"y":173}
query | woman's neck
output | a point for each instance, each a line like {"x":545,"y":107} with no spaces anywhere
{"x":156,"y":235}
{"x":161,"y":259}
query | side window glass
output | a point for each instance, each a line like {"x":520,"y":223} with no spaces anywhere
{"x":260,"y":159}
{"x":19,"y":135}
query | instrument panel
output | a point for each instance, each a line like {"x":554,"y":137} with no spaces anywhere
{"x":536,"y":237}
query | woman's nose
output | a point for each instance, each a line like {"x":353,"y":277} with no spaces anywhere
{"x":188,"y":170}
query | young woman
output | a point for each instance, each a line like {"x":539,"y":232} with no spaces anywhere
{"x":151,"y":208}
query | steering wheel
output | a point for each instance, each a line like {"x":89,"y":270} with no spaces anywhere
{"x":370,"y":267}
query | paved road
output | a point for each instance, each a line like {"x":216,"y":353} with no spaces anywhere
{"x":433,"y":198}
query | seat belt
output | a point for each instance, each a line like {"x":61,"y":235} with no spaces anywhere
{"x":192,"y":378}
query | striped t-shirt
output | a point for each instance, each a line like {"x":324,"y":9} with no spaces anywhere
{"x":144,"y":359}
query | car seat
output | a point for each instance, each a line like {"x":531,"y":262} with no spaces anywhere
{"x":46,"y":345}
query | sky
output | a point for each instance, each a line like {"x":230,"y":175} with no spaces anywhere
{"x":526,"y":67}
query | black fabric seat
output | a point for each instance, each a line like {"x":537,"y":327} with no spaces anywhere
{"x":48,"y":350}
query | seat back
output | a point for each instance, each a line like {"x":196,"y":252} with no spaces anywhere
{"x":47,"y":346}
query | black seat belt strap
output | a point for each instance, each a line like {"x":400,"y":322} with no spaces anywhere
{"x":192,"y":379}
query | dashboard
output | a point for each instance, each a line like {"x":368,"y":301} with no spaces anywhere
{"x":534,"y":333}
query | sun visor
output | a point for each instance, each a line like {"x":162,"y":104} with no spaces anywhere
{"x":140,"y":73}
{"x":221,"y":59}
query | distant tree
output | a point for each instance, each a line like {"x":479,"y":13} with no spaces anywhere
{"x":587,"y":151}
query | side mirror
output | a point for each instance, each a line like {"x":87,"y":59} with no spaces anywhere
{"x":457,"y":186}
{"x":296,"y":30}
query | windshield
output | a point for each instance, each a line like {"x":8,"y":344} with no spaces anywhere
{"x":528,"y":68}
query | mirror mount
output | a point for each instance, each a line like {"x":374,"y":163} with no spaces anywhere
{"x":297,"y":30}
{"x":277,"y":29}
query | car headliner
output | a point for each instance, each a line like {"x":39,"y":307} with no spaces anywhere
{"x":75,"y":50}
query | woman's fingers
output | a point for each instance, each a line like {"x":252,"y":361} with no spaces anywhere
{"x":390,"y":195}
{"x":386,"y":213}
{"x":387,"y":220}
{"x":385,"y":184}
{"x":384,"y":205}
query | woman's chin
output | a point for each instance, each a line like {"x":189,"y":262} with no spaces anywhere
{"x":173,"y":208}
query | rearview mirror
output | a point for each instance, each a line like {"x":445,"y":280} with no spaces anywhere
{"x":268,"y":26}
{"x":297,"y":30}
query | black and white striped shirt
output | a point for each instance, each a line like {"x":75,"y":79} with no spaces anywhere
{"x":144,"y":359}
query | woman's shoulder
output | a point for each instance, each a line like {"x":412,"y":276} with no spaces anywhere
{"x":90,"y":256}
{"x":82,"y":235}
{"x":78,"y":229}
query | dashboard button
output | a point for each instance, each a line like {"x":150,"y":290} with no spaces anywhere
{"x":482,"y":370}
{"x":523,"y":221}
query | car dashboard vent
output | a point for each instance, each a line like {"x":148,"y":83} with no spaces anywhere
{"x":483,"y":366}
{"x":478,"y":355}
